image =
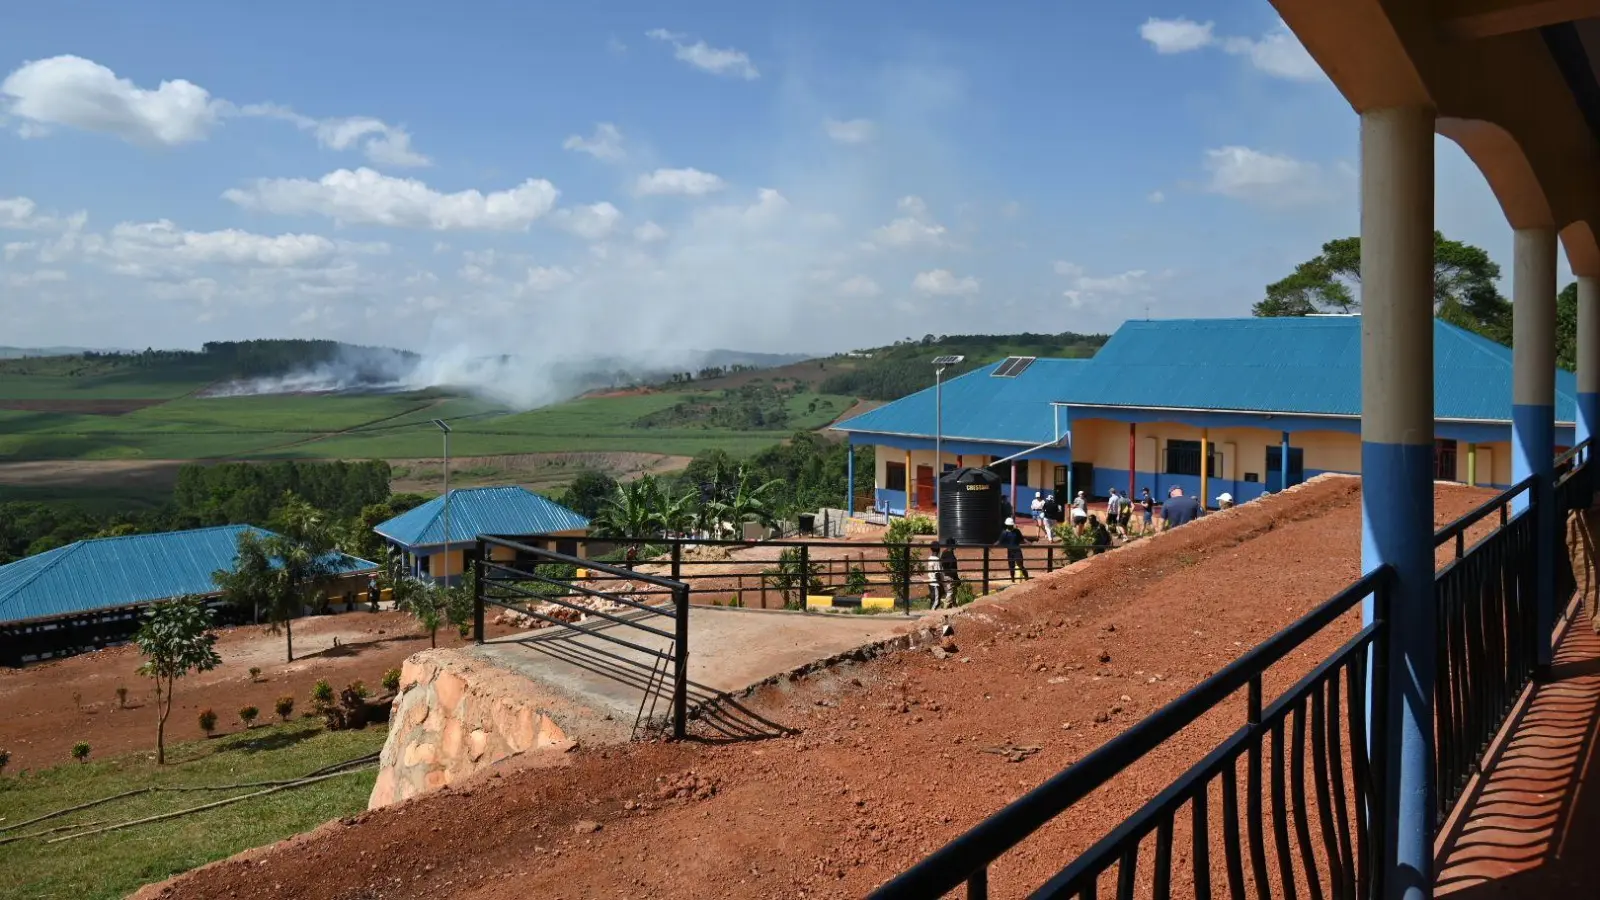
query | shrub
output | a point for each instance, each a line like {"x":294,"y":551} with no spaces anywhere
{"x":1076,"y":546}
{"x":80,"y":751}
{"x":122,"y":696}
{"x":855,"y":580}
{"x":964,"y":594}
{"x":793,"y":580}
{"x":255,"y":673}
{"x":5,"y":757}
{"x":351,"y":710}
{"x":322,"y":692}
{"x":208,"y":720}
{"x":902,"y":557}
{"x":247,"y":715}
{"x":284,"y":707}
{"x":391,"y":681}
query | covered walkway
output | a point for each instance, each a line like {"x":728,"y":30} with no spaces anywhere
{"x":1530,"y":828}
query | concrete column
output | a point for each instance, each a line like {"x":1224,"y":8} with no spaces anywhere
{"x":850,"y":480}
{"x":1472,"y":465}
{"x":1205,"y":468}
{"x":1588,"y":358}
{"x":1397,"y":469}
{"x":1133,"y":456}
{"x":1284,"y":460}
{"x":1533,"y":413}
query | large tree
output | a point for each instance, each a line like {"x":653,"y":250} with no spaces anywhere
{"x":1465,"y":290}
{"x":175,"y":639}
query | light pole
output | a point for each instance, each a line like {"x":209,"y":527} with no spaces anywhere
{"x":939,"y":364}
{"x":445,"y":428}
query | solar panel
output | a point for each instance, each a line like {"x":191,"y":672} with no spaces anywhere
{"x":1013,"y":366}
{"x":947,"y":360}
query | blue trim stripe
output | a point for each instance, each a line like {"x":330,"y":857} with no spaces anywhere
{"x":1588,"y":417}
{"x":1533,"y":453}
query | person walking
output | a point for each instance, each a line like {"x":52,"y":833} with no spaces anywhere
{"x":930,"y":568}
{"x":949,"y":573}
{"x":1224,"y":500}
{"x":373,"y":593}
{"x":1040,"y":520}
{"x":1080,"y":512}
{"x":1011,"y":539}
{"x":1125,"y":517}
{"x":1102,"y":537}
{"x":1178,"y":510}
{"x":1147,"y":504}
{"x":1114,"y":511}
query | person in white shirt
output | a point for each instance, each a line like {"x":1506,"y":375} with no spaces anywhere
{"x":1080,"y":512}
{"x":1040,"y":520}
{"x":931,"y":567}
{"x":1114,"y":512}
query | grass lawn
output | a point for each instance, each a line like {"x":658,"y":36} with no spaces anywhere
{"x":116,"y":863}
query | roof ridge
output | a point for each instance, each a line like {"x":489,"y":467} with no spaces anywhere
{"x":71,"y":549}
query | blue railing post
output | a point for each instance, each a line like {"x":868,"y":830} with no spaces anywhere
{"x":1397,"y":419}
{"x":1533,"y":390}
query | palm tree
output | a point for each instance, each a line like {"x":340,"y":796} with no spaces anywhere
{"x":676,"y":513}
{"x":750,"y":502}
{"x":630,"y":512}
{"x":280,"y":574}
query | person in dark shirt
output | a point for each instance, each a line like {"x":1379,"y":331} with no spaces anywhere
{"x":949,"y":572}
{"x":1011,"y":539}
{"x":1179,"y":510}
{"x":1147,"y":503}
{"x":1097,"y":530}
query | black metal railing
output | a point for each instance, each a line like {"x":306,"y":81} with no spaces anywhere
{"x":1323,"y":839}
{"x":1574,"y":478}
{"x":781,"y":574}
{"x":540,"y":585}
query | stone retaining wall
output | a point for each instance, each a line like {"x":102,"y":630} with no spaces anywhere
{"x":454,"y":717}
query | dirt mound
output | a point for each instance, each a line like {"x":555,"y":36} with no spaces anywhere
{"x":892,"y":756}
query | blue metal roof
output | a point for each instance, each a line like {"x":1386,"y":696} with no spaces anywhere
{"x":1309,"y":366}
{"x":981,"y":407}
{"x":105,"y":573}
{"x":475,"y":511}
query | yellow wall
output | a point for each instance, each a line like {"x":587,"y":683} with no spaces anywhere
{"x":1105,"y":444}
{"x":437,"y":562}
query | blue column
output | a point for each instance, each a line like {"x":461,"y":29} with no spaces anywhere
{"x":1588,"y":420}
{"x":850,"y":480}
{"x":1533,"y":415}
{"x":1397,"y":470}
{"x":1285,"y":462}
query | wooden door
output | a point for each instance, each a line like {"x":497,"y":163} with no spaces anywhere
{"x":924,"y":487}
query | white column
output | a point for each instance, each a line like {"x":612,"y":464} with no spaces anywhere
{"x":1397,"y":472}
{"x":1533,"y":412}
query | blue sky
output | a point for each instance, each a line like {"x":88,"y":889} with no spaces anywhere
{"x":492,"y":177}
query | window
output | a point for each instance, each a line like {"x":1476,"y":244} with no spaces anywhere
{"x":1444,"y":459}
{"x":1059,"y":481}
{"x":567,"y":548}
{"x":894,"y":476}
{"x":1183,"y":458}
{"x":1297,"y":467}
{"x":1004,"y":471}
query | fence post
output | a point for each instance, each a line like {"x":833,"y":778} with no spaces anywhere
{"x":677,"y":560}
{"x":680,"y":663}
{"x":477,"y":597}
{"x":1049,"y":557}
{"x":805,"y":575}
{"x":985,"y":570}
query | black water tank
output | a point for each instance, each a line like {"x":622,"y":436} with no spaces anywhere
{"x":969,"y":506}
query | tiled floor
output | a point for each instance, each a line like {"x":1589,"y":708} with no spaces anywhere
{"x":1532,"y":829}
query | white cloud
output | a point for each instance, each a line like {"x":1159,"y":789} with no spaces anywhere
{"x":75,"y":92}
{"x":606,"y":143}
{"x":1264,"y":178}
{"x":1084,"y":290}
{"x":79,"y":93}
{"x":547,"y":278}
{"x":163,"y":241}
{"x":364,"y":196}
{"x":859,"y":286}
{"x":1156,"y":197}
{"x":680,"y":182}
{"x":589,"y":222}
{"x":1177,"y":35}
{"x":916,"y":229}
{"x":731,"y":63}
{"x":1277,"y":52}
{"x":940,"y":282}
{"x":852,"y":131}
{"x":649,"y":233}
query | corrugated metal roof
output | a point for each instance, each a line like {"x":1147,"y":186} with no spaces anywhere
{"x":104,"y":573}
{"x":475,"y":511}
{"x":1287,"y":365}
{"x":980,"y":407}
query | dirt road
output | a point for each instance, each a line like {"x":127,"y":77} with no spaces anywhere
{"x":893,"y":757}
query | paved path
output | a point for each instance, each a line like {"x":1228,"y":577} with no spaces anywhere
{"x":729,"y":650}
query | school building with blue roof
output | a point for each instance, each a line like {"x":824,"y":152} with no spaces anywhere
{"x":439,"y":539}
{"x":1161,"y":396}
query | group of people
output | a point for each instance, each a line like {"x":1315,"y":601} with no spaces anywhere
{"x":943,"y":570}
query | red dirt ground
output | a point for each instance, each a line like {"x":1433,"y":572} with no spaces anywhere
{"x":51,"y":706}
{"x":893,"y":756}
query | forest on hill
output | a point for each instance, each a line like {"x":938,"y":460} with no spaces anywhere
{"x":905,"y":367}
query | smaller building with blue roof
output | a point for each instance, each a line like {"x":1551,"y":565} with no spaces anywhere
{"x":93,"y":592}
{"x":1244,"y":395}
{"x":433,"y":552}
